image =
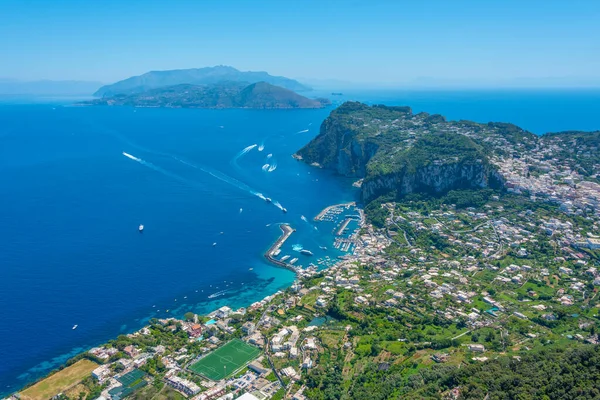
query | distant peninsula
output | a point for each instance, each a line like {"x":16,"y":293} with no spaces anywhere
{"x":195,"y":76}
{"x":259,"y":95}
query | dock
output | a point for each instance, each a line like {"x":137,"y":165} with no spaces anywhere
{"x":326,"y":209}
{"x":275,"y":248}
{"x":344,"y":225}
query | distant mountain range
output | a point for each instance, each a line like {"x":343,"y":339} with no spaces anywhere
{"x":48,"y":88}
{"x":194,"y":76}
{"x":222,"y":95}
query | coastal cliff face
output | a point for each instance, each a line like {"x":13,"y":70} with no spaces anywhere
{"x":398,"y":152}
{"x":337,"y":148}
{"x":435,"y":179}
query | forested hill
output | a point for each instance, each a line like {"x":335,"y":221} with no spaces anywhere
{"x":399,"y":152}
{"x":225,"y":95}
{"x":554,"y":373}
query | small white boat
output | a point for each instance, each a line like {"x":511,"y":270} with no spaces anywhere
{"x":75,"y":326}
{"x":250,"y":269}
{"x":141,"y":228}
{"x":214,"y":244}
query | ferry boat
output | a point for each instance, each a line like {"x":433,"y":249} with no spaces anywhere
{"x":306,"y":252}
{"x":141,"y":228}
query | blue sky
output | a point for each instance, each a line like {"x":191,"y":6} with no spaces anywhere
{"x":360,"y":41}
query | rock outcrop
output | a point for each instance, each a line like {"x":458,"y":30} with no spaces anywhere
{"x":434,"y":179}
{"x":397,"y":152}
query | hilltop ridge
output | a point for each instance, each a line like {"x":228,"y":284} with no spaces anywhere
{"x":194,"y":76}
{"x":395,"y":151}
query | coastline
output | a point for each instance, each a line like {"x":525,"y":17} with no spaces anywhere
{"x":287,"y":231}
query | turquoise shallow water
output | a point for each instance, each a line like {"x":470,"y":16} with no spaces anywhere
{"x":70,"y":252}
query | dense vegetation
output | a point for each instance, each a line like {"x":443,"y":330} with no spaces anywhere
{"x":222,"y":95}
{"x":553,"y":373}
{"x":427,"y":149}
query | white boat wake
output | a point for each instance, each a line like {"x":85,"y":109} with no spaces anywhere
{"x":303,"y":218}
{"x":162,"y":171}
{"x":221,"y":293}
{"x":132,"y":157}
{"x":224,"y":178}
{"x":245,"y":150}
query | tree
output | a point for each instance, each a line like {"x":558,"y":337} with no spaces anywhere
{"x":189,"y":316}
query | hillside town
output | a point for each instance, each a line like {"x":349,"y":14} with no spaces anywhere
{"x":447,"y":285}
{"x":424,"y":286}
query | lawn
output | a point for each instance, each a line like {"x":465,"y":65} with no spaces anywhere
{"x":60,"y":381}
{"x":226,"y":360}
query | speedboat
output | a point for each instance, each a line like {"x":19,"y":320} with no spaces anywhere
{"x":141,"y":228}
{"x":268,"y":199}
{"x":75,"y":326}
{"x":284,"y":210}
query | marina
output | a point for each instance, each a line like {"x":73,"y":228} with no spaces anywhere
{"x":328,"y":213}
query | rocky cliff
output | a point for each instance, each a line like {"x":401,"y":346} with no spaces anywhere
{"x":398,"y":152}
{"x":434,"y":179}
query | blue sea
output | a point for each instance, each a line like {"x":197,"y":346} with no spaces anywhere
{"x":71,"y":203}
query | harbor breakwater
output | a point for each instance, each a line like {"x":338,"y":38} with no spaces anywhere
{"x":287,"y":231}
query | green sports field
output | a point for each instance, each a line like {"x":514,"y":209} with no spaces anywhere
{"x":225,"y":360}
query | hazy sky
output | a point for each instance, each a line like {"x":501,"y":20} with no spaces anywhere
{"x":361,"y":41}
